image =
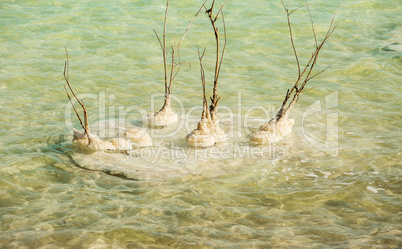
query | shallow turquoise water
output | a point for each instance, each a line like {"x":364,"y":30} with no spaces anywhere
{"x":304,"y":194}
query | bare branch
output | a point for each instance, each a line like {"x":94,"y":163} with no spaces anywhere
{"x":210,"y":11}
{"x":205,"y":111}
{"x":283,"y":4}
{"x":217,"y":14}
{"x":219,"y":56}
{"x":164,"y":48}
{"x":157,"y":36}
{"x":200,"y":56}
{"x":312,"y":24}
{"x":189,"y":25}
{"x":169,"y":79}
{"x":320,"y":72}
{"x":178,"y":54}
{"x":66,"y":65}
{"x":180,"y":65}
{"x":85,"y":126}
{"x":178,"y":70}
{"x":175,"y":48}
{"x":75,"y":110}
{"x":224,"y":45}
{"x":301,"y":6}
{"x":291,"y":37}
{"x":171,"y":71}
{"x":295,"y":91}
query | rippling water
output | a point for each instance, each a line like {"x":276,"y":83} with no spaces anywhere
{"x":299,"y":192}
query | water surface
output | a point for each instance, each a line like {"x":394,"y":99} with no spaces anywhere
{"x":304,"y":194}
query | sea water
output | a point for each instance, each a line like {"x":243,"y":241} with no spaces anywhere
{"x":335,"y":181}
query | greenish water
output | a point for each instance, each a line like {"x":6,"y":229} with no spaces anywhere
{"x":344,"y":194}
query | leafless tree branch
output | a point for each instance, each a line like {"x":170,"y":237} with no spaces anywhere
{"x":219,"y":56}
{"x":173,"y":73}
{"x":295,"y":91}
{"x":84,"y":125}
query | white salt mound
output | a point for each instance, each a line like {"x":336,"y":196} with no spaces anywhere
{"x":164,"y":117}
{"x":273,"y":131}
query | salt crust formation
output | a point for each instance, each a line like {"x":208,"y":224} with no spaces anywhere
{"x":129,"y":138}
{"x":273,"y":131}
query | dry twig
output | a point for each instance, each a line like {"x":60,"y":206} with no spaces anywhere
{"x":304,"y":75}
{"x":174,"y":48}
{"x":205,"y":110}
{"x":84,"y":125}
{"x":219,"y":56}
{"x":165,"y":115}
{"x":280,"y":125}
{"x":208,"y":131}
